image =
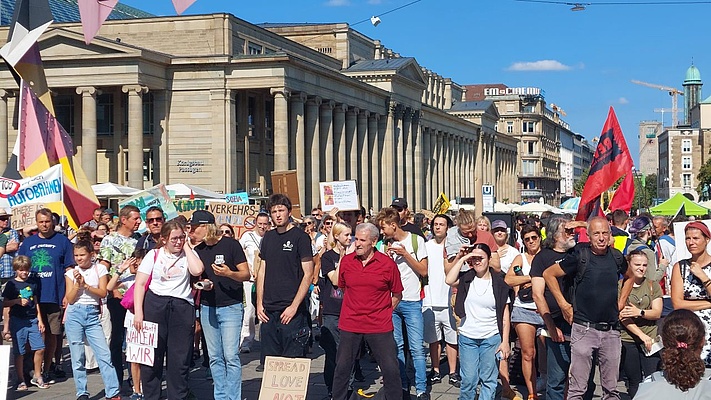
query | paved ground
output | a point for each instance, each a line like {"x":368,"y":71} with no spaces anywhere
{"x":251,"y":381}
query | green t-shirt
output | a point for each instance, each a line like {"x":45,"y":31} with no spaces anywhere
{"x":642,"y":297}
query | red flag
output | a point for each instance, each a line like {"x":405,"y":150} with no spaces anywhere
{"x":624,"y":195}
{"x":192,"y":195}
{"x":611,"y":161}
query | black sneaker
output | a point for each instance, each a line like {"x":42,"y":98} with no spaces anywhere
{"x":83,"y":397}
{"x":434,"y":377}
{"x":405,"y":394}
{"x":59,"y":372}
{"x":48,"y":379}
{"x":455,"y":380}
{"x":423,"y":396}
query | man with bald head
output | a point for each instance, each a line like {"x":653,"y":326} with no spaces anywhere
{"x":595,"y":268}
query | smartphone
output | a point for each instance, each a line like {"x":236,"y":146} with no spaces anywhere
{"x":499,"y":355}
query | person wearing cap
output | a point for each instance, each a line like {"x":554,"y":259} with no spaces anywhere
{"x":640,"y":233}
{"x":283,"y":281}
{"x":115,"y":248}
{"x":221,"y":299}
{"x":400,"y":204}
{"x":691,"y":280}
{"x":9,"y":243}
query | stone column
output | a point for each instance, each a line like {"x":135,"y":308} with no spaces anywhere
{"x":298,"y":134}
{"x":389,"y":156}
{"x":402,"y":165}
{"x":350,"y":139}
{"x":419,"y":178}
{"x":409,"y":144}
{"x":88,"y":132}
{"x":426,"y":151}
{"x":4,"y":145}
{"x":440,"y":162}
{"x":479,"y":174}
{"x":361,"y":150}
{"x":445,"y":164}
{"x":326,"y":123}
{"x":135,"y":134}
{"x":281,"y":128}
{"x":339,"y":141}
{"x":373,"y":188}
{"x":312,"y":148}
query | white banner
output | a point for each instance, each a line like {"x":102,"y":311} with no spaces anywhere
{"x":41,"y":189}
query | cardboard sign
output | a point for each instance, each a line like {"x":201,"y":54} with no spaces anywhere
{"x":23,"y":216}
{"x":155,"y":196}
{"x":41,"y":189}
{"x":242,"y":217}
{"x":286,"y":182}
{"x":342,"y":195}
{"x":140,"y":346}
{"x":237,"y":198}
{"x":441,"y":205}
{"x":186,"y":208}
{"x":285,"y":378}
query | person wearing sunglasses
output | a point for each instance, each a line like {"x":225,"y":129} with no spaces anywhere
{"x":482,"y":304}
{"x":227,"y":231}
{"x":524,"y":317}
{"x":154,"y":222}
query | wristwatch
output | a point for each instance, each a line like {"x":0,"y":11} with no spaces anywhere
{"x":641,"y":313}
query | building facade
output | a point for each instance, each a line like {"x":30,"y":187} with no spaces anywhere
{"x":649,"y":146}
{"x":215,"y":101}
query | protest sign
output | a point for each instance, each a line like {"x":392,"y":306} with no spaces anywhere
{"x":41,"y":189}
{"x":285,"y":378}
{"x":186,"y":208}
{"x":341,"y":194}
{"x":441,"y":205}
{"x":23,"y":216}
{"x":237,"y":198}
{"x":286,"y":182}
{"x":140,"y":346}
{"x":155,"y":196}
{"x":242,"y":217}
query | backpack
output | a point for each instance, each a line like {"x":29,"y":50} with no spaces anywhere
{"x":585,"y":254}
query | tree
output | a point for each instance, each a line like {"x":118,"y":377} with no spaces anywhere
{"x":645,"y":190}
{"x":704,"y":179}
{"x":579,"y":184}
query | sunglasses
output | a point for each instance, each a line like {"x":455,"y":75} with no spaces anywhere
{"x":570,"y":231}
{"x":476,"y":260}
{"x":309,"y":223}
{"x":316,"y":215}
{"x":530,"y":238}
{"x":329,"y":223}
{"x":226,"y":232}
{"x":152,"y":220}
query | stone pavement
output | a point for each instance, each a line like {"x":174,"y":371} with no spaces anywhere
{"x":251,"y":381}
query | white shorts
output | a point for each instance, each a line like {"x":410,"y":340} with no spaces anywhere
{"x":437,"y":320}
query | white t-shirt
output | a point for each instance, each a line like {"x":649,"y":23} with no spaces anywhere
{"x":507,"y":259}
{"x":91,"y":277}
{"x":437,"y":291}
{"x":526,"y":269}
{"x":480,"y":308}
{"x":170,"y":274}
{"x":250,"y":242}
{"x":410,"y":279}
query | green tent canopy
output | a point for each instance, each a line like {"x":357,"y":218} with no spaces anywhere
{"x":673,"y":205}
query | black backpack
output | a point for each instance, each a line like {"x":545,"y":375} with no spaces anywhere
{"x":584,"y":260}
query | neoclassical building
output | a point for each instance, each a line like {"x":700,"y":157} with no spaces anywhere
{"x":218,"y":102}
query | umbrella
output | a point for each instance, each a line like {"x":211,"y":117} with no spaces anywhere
{"x":571,"y":204}
{"x":113,"y":190}
{"x":183,"y":190}
{"x":503,"y":207}
{"x":534,"y":208}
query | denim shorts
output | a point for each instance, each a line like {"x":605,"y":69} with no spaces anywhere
{"x":526,"y":316}
{"x":23,"y":330}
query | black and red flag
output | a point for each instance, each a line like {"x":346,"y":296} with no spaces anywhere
{"x":611,"y":161}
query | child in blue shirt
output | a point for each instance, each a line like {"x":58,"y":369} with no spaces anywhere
{"x":21,"y":295}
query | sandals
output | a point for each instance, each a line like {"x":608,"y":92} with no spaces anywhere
{"x":39,"y":384}
{"x":21,"y":387}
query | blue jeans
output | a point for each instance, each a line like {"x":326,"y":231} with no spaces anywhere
{"x":558,"y":363}
{"x":411,"y":313}
{"x":83,"y":320}
{"x":222,"y":327}
{"x":477,"y":363}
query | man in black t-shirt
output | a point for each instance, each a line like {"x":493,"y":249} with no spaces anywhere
{"x":283,"y":281}
{"x":221,"y":300}
{"x":595,"y":313}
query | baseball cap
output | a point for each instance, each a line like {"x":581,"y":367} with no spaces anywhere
{"x":399,"y":203}
{"x":202,"y":217}
{"x":640,"y":224}
{"x":499,"y":224}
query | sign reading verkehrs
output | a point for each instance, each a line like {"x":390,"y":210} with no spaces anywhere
{"x":41,"y":189}
{"x":285,"y":378}
{"x":342,"y":195}
{"x":241,"y":217}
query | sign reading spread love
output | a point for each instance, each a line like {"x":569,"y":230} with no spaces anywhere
{"x":285,"y":378}
{"x":41,"y":189}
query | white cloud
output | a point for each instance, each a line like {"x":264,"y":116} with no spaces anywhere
{"x":338,"y":3}
{"x":623,"y":100}
{"x":541,"y":65}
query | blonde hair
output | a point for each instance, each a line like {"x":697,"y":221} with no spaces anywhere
{"x":213,"y":232}
{"x":484,"y":219}
{"x":465,"y":217}
{"x":337,"y":229}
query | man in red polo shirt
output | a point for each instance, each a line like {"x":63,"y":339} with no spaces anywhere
{"x":372,"y":289}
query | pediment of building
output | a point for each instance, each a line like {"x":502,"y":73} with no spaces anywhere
{"x":61,"y":42}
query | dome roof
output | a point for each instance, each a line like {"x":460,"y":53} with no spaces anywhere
{"x":693,"y":76}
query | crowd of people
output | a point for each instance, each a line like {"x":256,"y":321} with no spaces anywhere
{"x":541,"y":301}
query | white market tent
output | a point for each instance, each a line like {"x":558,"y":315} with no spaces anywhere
{"x":112,"y":190}
{"x":182,"y":190}
{"x":503,"y":207}
{"x":535,"y":208}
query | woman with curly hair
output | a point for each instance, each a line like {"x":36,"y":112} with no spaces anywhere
{"x":683,"y":374}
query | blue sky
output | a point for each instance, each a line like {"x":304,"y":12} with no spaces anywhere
{"x":583,"y":60}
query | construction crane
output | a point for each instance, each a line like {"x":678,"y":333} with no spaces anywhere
{"x":662,"y":111}
{"x":673,"y":92}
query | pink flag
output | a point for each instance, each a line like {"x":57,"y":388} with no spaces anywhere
{"x":182,"y":5}
{"x":93,"y":14}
